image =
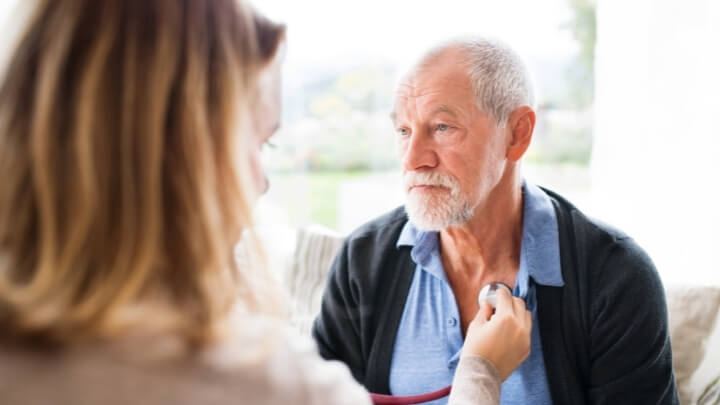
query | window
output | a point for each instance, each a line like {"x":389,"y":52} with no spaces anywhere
{"x":335,"y":163}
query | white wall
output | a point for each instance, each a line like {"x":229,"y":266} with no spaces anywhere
{"x":656,"y":159}
{"x":13,"y":16}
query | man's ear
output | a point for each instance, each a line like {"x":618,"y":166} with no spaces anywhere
{"x":520,"y":125}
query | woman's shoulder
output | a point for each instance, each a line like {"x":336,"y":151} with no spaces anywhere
{"x":286,"y":361}
{"x":261,"y":361}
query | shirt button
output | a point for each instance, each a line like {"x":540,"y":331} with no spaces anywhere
{"x":452,"y":322}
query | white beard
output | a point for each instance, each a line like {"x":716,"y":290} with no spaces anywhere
{"x":436,"y":209}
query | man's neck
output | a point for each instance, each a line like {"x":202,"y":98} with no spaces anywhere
{"x":487,"y":246}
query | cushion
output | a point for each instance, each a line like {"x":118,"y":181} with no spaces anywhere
{"x":711,"y":393}
{"x":307,"y":273}
{"x":693,"y":312}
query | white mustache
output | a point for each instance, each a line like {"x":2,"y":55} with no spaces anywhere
{"x":414,"y":179}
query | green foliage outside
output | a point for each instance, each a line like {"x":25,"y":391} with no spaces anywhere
{"x":581,"y":75}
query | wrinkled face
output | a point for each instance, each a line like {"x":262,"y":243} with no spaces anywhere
{"x":452,"y":153}
{"x":266,"y":113}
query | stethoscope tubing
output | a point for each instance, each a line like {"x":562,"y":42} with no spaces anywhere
{"x":380,"y":399}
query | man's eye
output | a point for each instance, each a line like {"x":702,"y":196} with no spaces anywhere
{"x":443,"y":127}
{"x":403,"y":131}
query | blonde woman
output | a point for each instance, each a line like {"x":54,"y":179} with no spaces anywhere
{"x":130,"y":133}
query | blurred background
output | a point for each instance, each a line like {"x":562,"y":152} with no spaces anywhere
{"x":335,"y":160}
{"x":627,"y":111}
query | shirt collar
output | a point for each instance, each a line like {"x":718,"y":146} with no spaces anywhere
{"x":540,"y":252}
{"x":540,"y":249}
{"x":425,"y":251}
{"x":408,"y":235}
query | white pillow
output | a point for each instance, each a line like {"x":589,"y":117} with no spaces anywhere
{"x":307,"y":275}
{"x":693,"y":312}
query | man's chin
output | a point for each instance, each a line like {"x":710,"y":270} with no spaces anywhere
{"x":425,"y":219}
{"x":428,"y":215}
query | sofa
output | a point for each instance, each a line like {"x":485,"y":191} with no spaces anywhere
{"x":301,"y":259}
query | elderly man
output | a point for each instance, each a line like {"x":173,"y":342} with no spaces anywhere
{"x":404,"y":287}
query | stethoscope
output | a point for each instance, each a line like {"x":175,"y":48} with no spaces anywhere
{"x":487,"y":293}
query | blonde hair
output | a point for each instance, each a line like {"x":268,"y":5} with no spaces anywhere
{"x":121,"y":127}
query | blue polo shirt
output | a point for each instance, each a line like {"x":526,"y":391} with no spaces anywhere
{"x":429,"y":339}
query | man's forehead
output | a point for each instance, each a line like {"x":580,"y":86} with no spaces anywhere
{"x":435,"y":80}
{"x":431,"y":81}
{"x":436,"y":94}
{"x":435,"y":108}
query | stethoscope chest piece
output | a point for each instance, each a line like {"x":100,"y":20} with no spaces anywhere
{"x":489,"y":293}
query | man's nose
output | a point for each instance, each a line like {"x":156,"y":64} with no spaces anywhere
{"x":419,"y":153}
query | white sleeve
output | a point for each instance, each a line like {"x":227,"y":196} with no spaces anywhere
{"x":323,"y":381}
{"x":476,"y":382}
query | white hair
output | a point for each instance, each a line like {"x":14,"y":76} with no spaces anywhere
{"x":500,"y":80}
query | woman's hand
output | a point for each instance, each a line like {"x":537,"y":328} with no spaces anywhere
{"x":502,"y":337}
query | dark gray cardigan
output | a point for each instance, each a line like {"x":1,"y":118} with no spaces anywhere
{"x":604,"y":334}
